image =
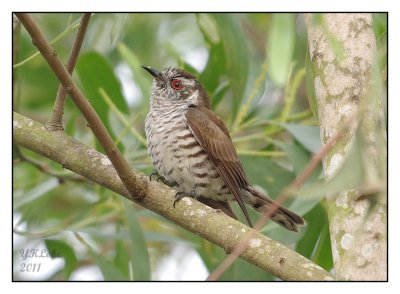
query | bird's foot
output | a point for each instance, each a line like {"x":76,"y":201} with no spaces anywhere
{"x":180,"y":195}
{"x":162,"y":179}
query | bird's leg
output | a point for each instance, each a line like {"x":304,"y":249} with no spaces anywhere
{"x":181,"y":195}
{"x":162,"y":179}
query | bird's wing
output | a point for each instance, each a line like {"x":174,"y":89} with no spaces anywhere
{"x":213,"y":136}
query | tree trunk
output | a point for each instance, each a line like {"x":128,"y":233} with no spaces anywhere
{"x":343,"y":53}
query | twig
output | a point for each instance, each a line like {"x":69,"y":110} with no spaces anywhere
{"x":121,"y":117}
{"x":70,"y":28}
{"x":16,"y":48}
{"x":55,"y":123}
{"x":45,"y":169}
{"x":135,"y":185}
{"x":297,"y":182}
{"x":290,"y":92}
{"x":246,"y":105}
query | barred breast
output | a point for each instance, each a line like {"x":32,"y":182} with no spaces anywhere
{"x":179,"y":158}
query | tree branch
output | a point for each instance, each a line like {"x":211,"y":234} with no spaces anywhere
{"x":55,"y":122}
{"x":134,"y":184}
{"x":198,"y":218}
{"x":343,"y":49}
{"x":47,"y":170}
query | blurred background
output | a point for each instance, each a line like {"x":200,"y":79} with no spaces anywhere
{"x":255,"y":68}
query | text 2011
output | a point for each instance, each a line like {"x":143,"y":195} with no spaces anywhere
{"x":30,"y":267}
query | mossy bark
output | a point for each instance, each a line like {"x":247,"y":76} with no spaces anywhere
{"x":343,"y":51}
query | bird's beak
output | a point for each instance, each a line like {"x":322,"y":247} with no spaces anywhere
{"x":155,"y":73}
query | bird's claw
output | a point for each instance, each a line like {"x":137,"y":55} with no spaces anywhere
{"x":180,"y":195}
{"x":154,"y":173}
{"x":162,"y":179}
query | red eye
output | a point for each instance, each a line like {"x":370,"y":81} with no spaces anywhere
{"x":176,"y":84}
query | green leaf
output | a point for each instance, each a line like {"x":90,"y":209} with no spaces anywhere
{"x":308,"y":136}
{"x":118,"y":25}
{"x":273,"y":179}
{"x":236,"y":55}
{"x":215,"y":69}
{"x":298,"y":156}
{"x":280,"y":46}
{"x":109,"y":271}
{"x":216,"y":64}
{"x":121,"y":259}
{"x":141,"y":79}
{"x":95,"y":73}
{"x":60,"y":249}
{"x":140,"y":254}
{"x":70,"y":125}
{"x":209,"y":28}
{"x":36,"y":192}
{"x":219,"y":94}
{"x":323,"y":250}
{"x":315,"y":219}
{"x":350,"y":175}
{"x":210,"y":254}
{"x":316,"y":241}
{"x":267,"y":174}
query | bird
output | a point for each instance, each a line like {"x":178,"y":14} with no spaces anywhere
{"x":192,"y":151}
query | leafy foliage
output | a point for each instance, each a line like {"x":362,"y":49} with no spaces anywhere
{"x":253,"y":67}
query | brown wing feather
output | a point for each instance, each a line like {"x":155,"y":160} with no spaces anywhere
{"x":213,"y":136}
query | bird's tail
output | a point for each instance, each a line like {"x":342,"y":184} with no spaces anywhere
{"x":279,"y":214}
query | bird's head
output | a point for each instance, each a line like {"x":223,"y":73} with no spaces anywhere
{"x":176,"y":86}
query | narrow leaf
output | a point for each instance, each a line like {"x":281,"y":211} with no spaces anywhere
{"x":349,"y":176}
{"x":95,"y":73}
{"x":109,"y":271}
{"x":140,"y":254}
{"x":236,"y":55}
{"x":280,"y":46}
{"x":308,"y":136}
{"x":60,"y":249}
